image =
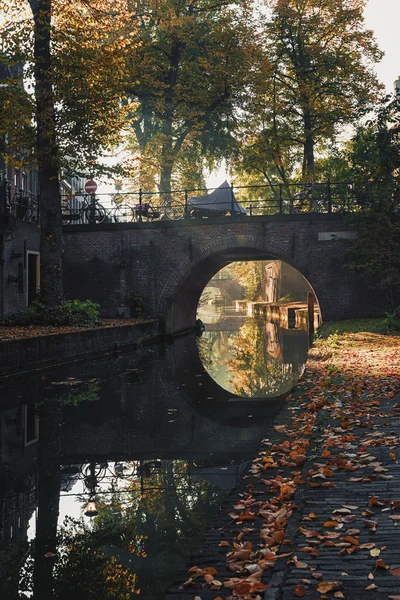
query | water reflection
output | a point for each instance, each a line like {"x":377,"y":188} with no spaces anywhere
{"x":251,"y":357}
{"x":151,"y":438}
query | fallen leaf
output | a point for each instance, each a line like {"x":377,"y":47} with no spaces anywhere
{"x":327,"y":586}
{"x":299,"y":591}
{"x":395,"y":571}
{"x":380,"y":564}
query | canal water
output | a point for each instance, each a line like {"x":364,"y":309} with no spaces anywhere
{"x":111,"y":470}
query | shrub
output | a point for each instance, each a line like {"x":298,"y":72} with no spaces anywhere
{"x":70,"y":312}
{"x":391,"y":322}
{"x":137,"y":306}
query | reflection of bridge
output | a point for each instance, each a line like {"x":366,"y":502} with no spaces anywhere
{"x":170,"y":263}
{"x":163,"y":407}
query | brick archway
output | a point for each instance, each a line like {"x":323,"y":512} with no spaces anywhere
{"x":179,"y":300}
{"x":169,"y":263}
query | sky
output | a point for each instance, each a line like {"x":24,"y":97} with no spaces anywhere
{"x":383,"y":17}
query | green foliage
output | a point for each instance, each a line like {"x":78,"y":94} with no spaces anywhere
{"x":314,"y":78}
{"x":137,"y":306}
{"x":186,"y":74}
{"x":339,"y":328}
{"x":68,"y":313}
{"x":88,"y":393}
{"x":374,"y":157}
{"x":392,"y":320}
{"x":251,"y":276}
{"x":333,"y":340}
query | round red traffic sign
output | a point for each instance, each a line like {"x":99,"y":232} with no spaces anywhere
{"x":90,"y":186}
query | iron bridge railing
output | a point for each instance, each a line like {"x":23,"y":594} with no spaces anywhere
{"x":257,"y":200}
{"x":22,"y":204}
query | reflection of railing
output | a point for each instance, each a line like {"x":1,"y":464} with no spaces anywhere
{"x":155,"y":475}
{"x":22,"y":204}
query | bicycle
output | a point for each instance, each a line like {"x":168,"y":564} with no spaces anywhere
{"x":87,"y":210}
{"x":306,"y":200}
{"x":90,"y":210}
{"x":173,"y":210}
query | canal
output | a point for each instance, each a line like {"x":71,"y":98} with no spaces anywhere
{"x":111,"y":470}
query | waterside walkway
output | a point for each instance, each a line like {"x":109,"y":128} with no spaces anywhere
{"x":317,"y":512}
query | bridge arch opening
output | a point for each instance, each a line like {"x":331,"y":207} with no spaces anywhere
{"x":181,"y":314}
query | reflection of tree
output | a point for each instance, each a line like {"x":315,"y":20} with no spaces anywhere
{"x":83,"y":570}
{"x":254,"y":371}
{"x":143,"y":534}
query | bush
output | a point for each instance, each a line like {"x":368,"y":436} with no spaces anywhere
{"x":70,"y":312}
{"x":392,"y":320}
{"x":137,"y":306}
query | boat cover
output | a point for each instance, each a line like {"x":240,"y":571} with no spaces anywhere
{"x":221,"y":199}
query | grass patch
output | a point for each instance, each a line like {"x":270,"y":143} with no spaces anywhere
{"x":334,"y":329}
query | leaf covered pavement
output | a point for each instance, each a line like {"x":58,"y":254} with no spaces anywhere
{"x":317,"y":512}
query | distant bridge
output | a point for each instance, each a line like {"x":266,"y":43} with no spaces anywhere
{"x":170,"y":262}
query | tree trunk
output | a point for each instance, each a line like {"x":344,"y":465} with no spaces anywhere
{"x":48,"y":497}
{"x":51,"y":288}
{"x":165,"y":180}
{"x":308,"y":161}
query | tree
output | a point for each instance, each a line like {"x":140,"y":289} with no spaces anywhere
{"x":77,"y":67}
{"x":375,"y":166}
{"x":318,"y":77}
{"x":188,"y":75}
{"x":251,"y":275}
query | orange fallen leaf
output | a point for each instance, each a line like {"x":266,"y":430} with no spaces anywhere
{"x":395,"y":571}
{"x":327,"y":586}
{"x":380,"y":564}
{"x":242,"y":589}
{"x":299,"y":591}
{"x":330,"y":524}
{"x":210,"y":570}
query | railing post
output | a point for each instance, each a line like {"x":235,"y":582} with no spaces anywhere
{"x":186,"y":204}
{"x":280,"y":200}
{"x":310,"y":310}
{"x":329,"y":196}
{"x":93,"y":207}
{"x":140,"y":205}
{"x":232,"y":198}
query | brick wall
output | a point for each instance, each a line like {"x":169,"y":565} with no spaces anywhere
{"x":16,"y":243}
{"x":169,"y":263}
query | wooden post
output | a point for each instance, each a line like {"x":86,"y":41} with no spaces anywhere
{"x":310,"y":306}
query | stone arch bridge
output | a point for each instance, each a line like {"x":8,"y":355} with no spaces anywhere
{"x":170,"y":262}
